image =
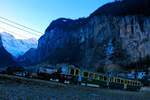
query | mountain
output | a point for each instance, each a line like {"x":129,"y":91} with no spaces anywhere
{"x":6,"y":58}
{"x":125,"y":7}
{"x":109,"y":35}
{"x":17,"y":47}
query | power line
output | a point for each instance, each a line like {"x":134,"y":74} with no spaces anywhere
{"x":21,"y":25}
{"x":12,"y":32}
{"x":16,"y":27}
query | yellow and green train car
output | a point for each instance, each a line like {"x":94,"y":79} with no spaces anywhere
{"x":110,"y":82}
{"x":73,"y":74}
{"x":122,"y":83}
{"x":68,"y":73}
{"x":94,"y":78}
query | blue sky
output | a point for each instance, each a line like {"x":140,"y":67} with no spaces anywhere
{"x":37,"y":14}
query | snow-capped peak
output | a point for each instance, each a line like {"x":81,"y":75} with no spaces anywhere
{"x":17,"y":47}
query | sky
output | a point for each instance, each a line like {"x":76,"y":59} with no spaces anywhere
{"x":38,"y":14}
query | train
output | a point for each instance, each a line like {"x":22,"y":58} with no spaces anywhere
{"x":73,"y":75}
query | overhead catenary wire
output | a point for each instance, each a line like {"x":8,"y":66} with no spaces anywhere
{"x":17,"y":28}
{"x":12,"y":32}
{"x":20,"y":25}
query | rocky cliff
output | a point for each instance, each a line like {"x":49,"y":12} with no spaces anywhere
{"x":106,"y":36}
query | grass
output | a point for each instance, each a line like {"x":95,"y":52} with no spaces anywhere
{"x":31,"y":89}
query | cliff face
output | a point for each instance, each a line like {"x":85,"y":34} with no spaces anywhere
{"x":135,"y":36}
{"x":94,"y":41}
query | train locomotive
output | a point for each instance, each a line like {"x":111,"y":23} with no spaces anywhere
{"x":74,"y":75}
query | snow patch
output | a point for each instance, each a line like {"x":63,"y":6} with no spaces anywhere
{"x":64,"y":20}
{"x":17,"y":47}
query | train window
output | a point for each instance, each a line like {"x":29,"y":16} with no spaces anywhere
{"x":100,"y":77}
{"x":96,"y":77}
{"x":118,"y":80}
{"x":77,"y":71}
{"x":105,"y":78}
{"x":135,"y":83}
{"x":86,"y":74}
{"x":72,"y":72}
{"x":128,"y":82}
{"x":139,"y":84}
{"x":115,"y":80}
{"x":132,"y":83}
{"x":125,"y":81}
{"x":91,"y":75}
{"x":111,"y":79}
{"x":121,"y":81}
